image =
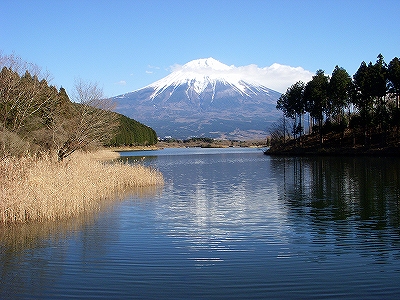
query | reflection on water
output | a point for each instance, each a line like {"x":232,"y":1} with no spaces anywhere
{"x":353,"y":202}
{"x":33,"y":254}
{"x":334,"y":189}
{"x":219,"y":202}
{"x":228,"y":224}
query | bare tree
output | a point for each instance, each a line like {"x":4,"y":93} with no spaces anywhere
{"x":24,"y":94}
{"x":22,"y":91}
{"x":30,"y":110}
{"x":93,"y":120}
{"x":280,"y":130}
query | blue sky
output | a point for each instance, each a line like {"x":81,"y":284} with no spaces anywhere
{"x":125,"y":44}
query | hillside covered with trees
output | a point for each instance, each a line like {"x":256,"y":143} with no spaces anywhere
{"x":37,"y":117}
{"x":340,"y":113}
{"x":131,"y":133}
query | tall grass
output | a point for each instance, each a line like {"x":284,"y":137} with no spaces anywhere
{"x":33,"y":188}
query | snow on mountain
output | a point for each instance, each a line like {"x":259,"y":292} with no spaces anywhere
{"x":199,"y":74}
{"x":206,"y":63}
{"x":204,"y":97}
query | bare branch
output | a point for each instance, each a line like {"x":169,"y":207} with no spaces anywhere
{"x":94,"y":120}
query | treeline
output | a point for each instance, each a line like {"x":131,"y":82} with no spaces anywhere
{"x":37,"y":117}
{"x":131,"y":133}
{"x":366,"y":103}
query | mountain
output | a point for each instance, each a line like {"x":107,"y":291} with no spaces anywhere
{"x":203,"y":98}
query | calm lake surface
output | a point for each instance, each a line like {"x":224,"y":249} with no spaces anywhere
{"x":228,"y":224}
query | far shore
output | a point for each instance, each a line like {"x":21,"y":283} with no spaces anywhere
{"x":184,"y":144}
{"x":110,"y":153}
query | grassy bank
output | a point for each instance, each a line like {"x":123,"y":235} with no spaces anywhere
{"x":38,"y":189}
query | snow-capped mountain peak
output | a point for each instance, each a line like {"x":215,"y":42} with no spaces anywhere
{"x":206,"y":63}
{"x":201,"y":74}
{"x":203,"y":97}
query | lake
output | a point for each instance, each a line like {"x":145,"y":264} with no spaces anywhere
{"x":228,"y":224}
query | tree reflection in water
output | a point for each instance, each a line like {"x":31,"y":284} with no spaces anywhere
{"x":343,"y":196}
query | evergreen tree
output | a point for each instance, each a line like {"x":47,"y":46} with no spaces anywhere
{"x":316,"y":98}
{"x":293,"y":106}
{"x":362,"y":96}
{"x":379,"y":89}
{"x":394,"y":78}
{"x":339,"y":93}
{"x":131,"y":132}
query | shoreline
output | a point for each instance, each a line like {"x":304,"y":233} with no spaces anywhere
{"x":392,"y":152}
{"x":198,"y":144}
{"x":332,"y":151}
{"x":348,"y":143}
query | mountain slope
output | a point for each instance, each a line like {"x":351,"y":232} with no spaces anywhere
{"x":203,"y":98}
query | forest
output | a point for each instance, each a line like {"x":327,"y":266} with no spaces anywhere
{"x":37,"y":117}
{"x":362,"y":110}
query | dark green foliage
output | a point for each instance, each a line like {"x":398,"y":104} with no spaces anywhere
{"x":394,"y":79}
{"x":291,"y":102}
{"x":293,"y":106}
{"x":316,"y":96}
{"x":370,"y":98}
{"x":339,"y":93}
{"x":131,"y":133}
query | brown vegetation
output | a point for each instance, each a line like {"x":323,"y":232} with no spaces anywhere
{"x":40,"y":128}
{"x":37,"y":117}
{"x":33,"y":188}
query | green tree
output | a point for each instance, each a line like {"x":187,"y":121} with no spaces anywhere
{"x":370,"y":82}
{"x":379,"y":81}
{"x":23,"y":92}
{"x":379,"y":78}
{"x":362,"y":96}
{"x":339,"y":91}
{"x":316,"y":98}
{"x":131,"y":132}
{"x":394,"y":88}
{"x":394,"y":78}
{"x":293,"y":106}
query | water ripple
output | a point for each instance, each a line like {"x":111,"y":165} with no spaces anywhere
{"x":228,"y":224}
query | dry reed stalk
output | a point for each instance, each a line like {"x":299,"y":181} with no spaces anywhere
{"x":104,"y":154}
{"x":44,"y":189}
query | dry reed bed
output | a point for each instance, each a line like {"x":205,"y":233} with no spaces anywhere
{"x":44,"y":189}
